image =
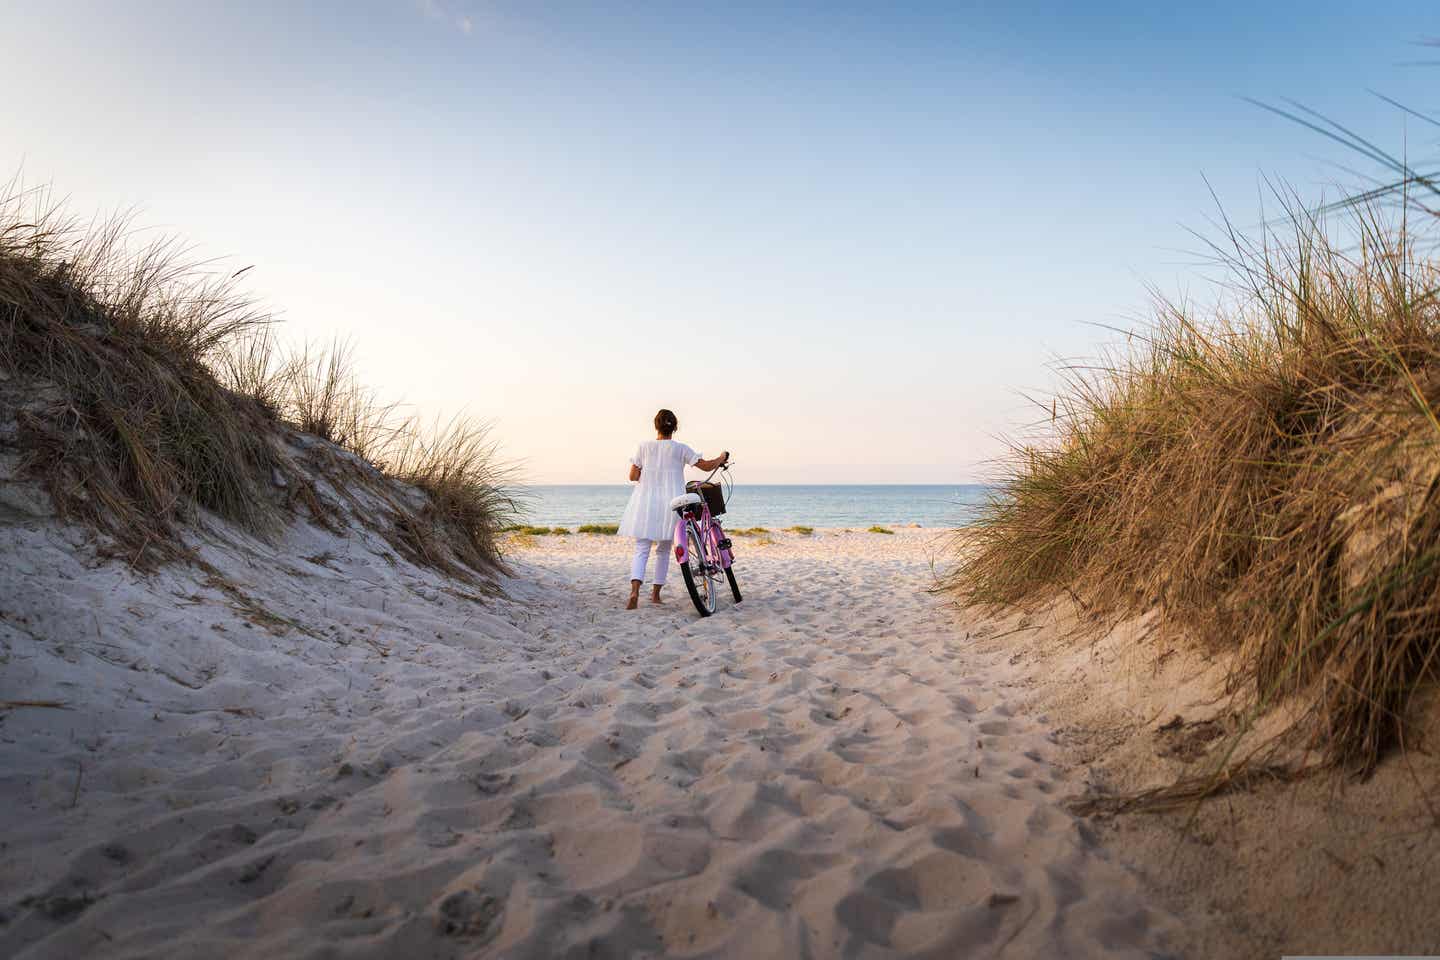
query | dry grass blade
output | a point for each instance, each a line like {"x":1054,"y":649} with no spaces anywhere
{"x":1186,"y":793}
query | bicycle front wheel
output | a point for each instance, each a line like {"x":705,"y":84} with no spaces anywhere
{"x":698,"y":572}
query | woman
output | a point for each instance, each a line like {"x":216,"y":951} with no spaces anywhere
{"x":659,"y":466}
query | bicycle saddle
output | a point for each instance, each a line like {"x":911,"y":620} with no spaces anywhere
{"x":684,"y":500}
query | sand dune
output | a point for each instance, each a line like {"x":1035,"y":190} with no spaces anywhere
{"x":348,"y":756}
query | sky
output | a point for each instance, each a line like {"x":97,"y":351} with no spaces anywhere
{"x":844,"y":241}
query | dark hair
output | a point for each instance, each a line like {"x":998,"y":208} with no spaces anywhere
{"x":666,"y":423}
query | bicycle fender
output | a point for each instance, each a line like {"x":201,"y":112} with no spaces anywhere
{"x":722,"y":545}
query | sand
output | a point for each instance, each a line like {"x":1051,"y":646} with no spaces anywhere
{"x":1329,"y":865}
{"x":319,"y":750}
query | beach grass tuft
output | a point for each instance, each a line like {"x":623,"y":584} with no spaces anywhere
{"x":153,"y":389}
{"x":607,"y":529}
{"x":802,"y":530}
{"x":1265,"y":473}
{"x":879,"y":529}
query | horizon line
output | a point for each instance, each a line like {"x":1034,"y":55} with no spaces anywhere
{"x":880,"y":483}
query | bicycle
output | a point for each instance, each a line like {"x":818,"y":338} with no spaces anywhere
{"x":701,"y":546}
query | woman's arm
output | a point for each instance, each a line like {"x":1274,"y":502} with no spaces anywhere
{"x":713,"y":462}
{"x":634,"y":472}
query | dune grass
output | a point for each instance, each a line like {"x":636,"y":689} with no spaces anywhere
{"x":1267,"y":476}
{"x":157,"y":390}
{"x":456,"y":465}
{"x":133,"y":431}
{"x":802,"y":530}
{"x":607,"y":529}
{"x":879,"y":529}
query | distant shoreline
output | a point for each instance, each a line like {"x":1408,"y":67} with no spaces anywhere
{"x":776,"y":506}
{"x":827,"y":486}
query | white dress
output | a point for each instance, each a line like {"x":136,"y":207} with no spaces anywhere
{"x":662,"y":466}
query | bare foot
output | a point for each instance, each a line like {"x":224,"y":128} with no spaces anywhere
{"x":655,"y":597}
{"x":633,"y":602}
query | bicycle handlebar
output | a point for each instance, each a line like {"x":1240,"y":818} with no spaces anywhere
{"x":724,"y":466}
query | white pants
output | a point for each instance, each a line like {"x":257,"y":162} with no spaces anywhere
{"x":642,"y":556}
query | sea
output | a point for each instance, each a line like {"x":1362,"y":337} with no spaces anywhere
{"x":778,"y":505}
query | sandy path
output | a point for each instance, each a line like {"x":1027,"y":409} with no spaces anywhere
{"x":818,"y":772}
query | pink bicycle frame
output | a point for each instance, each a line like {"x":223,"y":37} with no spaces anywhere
{"x":710,"y":528}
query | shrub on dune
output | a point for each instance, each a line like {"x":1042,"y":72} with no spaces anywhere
{"x":1268,"y":477}
{"x":455,"y":464}
{"x":318,"y":392}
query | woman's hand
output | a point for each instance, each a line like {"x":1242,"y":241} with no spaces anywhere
{"x":714,"y":463}
{"x":634,"y":472}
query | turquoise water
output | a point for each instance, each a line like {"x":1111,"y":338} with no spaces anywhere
{"x":775,"y":506}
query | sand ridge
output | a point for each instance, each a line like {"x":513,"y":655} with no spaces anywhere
{"x":822,"y":771}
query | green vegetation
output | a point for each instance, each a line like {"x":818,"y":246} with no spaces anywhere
{"x":525,"y":529}
{"x":1268,"y":477}
{"x":609,"y":529}
{"x":148,"y":390}
{"x":803,"y":531}
{"x":879,"y":530}
{"x":750,"y":532}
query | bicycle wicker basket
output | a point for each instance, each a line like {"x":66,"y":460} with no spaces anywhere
{"x":714,"y":496}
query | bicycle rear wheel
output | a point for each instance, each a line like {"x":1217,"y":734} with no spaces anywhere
{"x":698,"y":571}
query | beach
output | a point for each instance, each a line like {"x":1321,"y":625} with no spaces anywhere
{"x":385,"y":764}
{"x":1091,"y":597}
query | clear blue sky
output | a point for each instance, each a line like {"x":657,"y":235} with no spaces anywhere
{"x":837,"y":238}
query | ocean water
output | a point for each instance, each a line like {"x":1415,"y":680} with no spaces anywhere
{"x":777,"y":506}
